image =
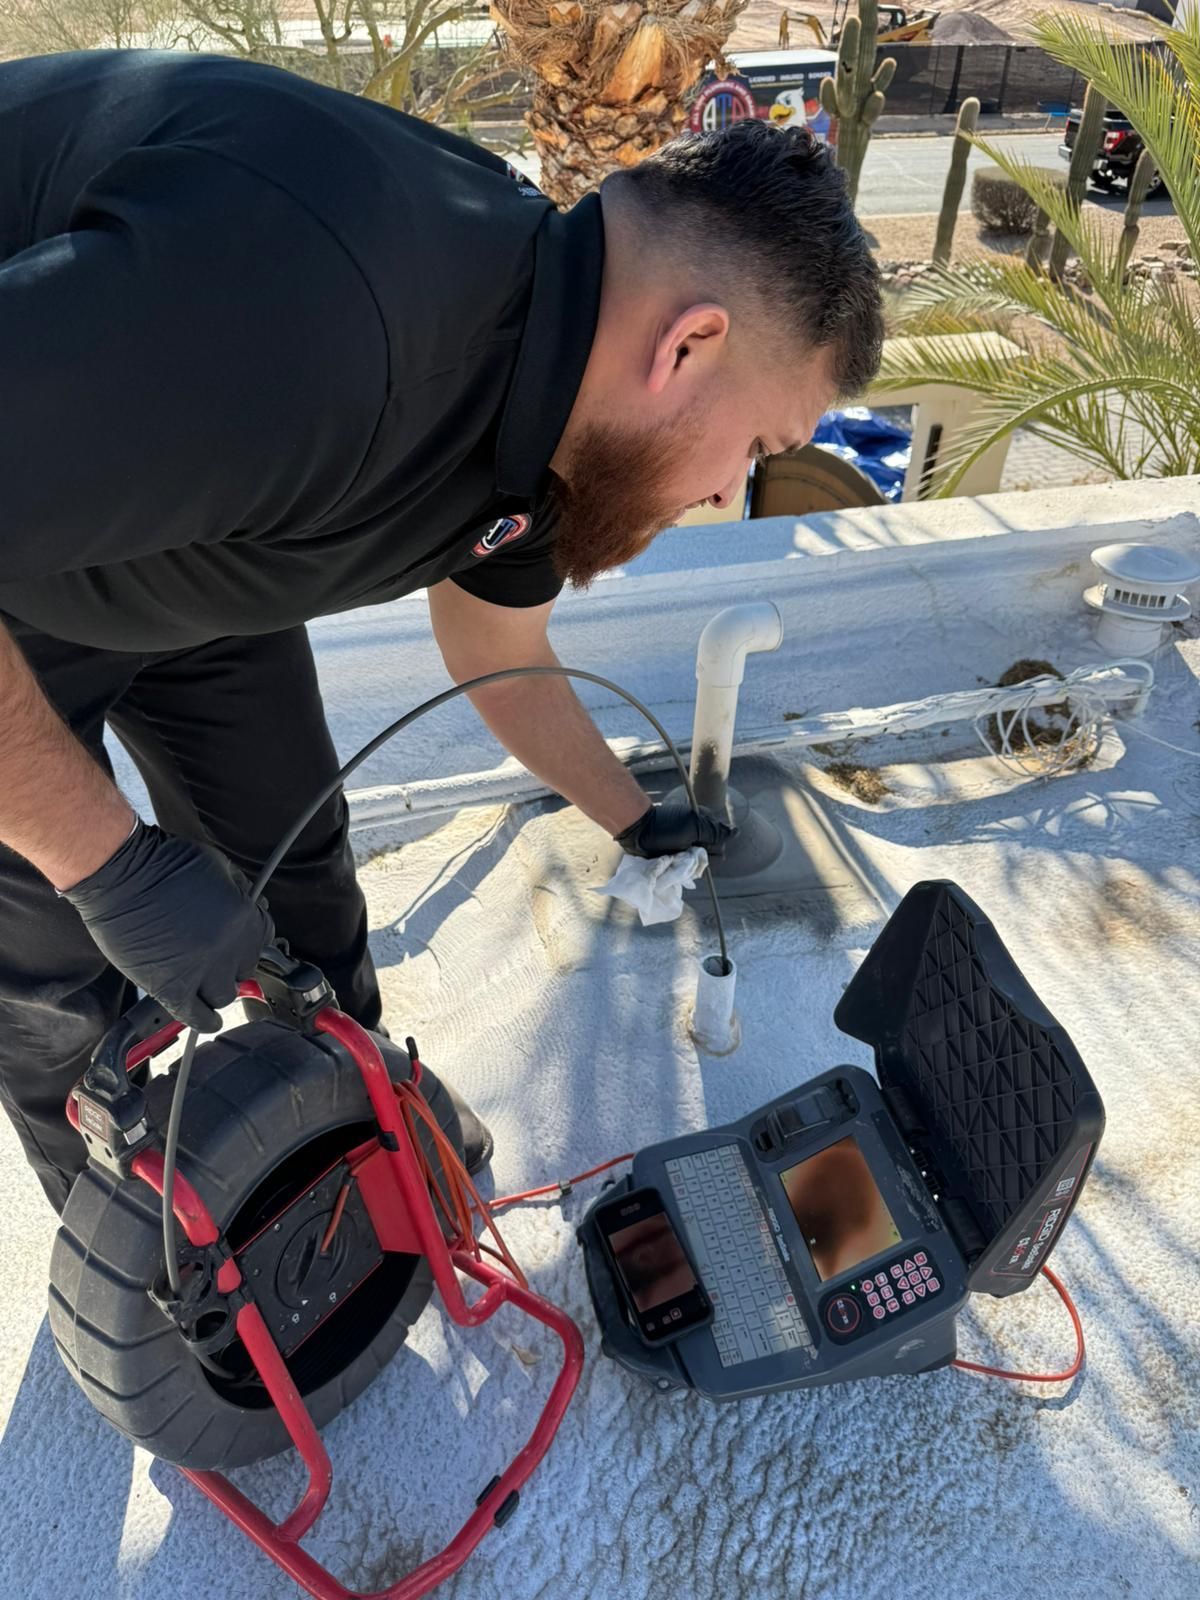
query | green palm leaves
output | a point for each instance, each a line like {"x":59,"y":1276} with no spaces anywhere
{"x":1112,"y":377}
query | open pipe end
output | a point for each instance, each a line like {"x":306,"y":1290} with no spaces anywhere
{"x":714,"y":1027}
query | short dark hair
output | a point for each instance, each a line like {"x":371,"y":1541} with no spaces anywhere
{"x":767,"y":207}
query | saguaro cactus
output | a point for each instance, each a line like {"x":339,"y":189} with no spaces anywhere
{"x":855,"y":97}
{"x":1139,"y":184}
{"x":1039,"y":241}
{"x":968,"y":116}
{"x":1083,"y":154}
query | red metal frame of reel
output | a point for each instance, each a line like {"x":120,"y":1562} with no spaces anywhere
{"x":402,"y":1213}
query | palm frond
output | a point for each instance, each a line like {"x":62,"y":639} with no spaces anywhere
{"x":1163,"y":105}
{"x":965,"y":295}
{"x":1107,"y":374}
{"x":936,"y":320}
{"x":1058,"y":397}
{"x":1082,"y":227}
{"x":1088,"y":435}
{"x":1183,"y":41}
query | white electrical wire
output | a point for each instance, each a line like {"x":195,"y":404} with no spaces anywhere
{"x":1031,"y":749}
{"x":1166,"y":744}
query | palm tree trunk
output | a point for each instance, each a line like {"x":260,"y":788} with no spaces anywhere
{"x":580,"y":142}
{"x":611,"y":80}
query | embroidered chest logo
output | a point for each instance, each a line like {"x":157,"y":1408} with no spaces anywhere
{"x":525,"y":185}
{"x":503,"y":531}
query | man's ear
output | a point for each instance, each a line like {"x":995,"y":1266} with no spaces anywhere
{"x":689,"y":347}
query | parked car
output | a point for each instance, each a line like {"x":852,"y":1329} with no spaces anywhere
{"x":1118,"y":154}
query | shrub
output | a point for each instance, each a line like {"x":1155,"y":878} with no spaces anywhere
{"x":1001,"y":204}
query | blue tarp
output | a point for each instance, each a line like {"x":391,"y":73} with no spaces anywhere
{"x":869,"y":442}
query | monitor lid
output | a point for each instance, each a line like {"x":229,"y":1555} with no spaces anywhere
{"x":980,"y":1078}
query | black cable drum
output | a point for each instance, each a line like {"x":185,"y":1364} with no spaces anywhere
{"x":268,"y":1109}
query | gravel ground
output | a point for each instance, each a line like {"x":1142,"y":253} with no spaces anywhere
{"x":910,"y":238}
{"x":758,"y":26}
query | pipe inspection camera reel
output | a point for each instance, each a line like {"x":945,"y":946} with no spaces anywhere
{"x":836,"y":1233}
{"x":321,"y":1195}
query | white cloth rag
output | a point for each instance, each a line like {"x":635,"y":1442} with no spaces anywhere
{"x":654,"y":888}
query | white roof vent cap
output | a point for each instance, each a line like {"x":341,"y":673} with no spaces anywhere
{"x":1140,"y":592}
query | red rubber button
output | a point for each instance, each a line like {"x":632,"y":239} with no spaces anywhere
{"x":920,"y":1289}
{"x":909,"y":1298}
{"x":933,"y":1286}
{"x":920,"y":1258}
{"x":879,"y":1313}
{"x":927,"y":1273}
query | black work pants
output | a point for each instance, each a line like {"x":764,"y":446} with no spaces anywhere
{"x":231,"y":741}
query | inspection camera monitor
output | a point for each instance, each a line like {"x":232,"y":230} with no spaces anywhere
{"x":837,"y":1232}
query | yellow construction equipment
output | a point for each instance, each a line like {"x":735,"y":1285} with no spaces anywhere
{"x":905,"y":27}
{"x":896,"y":26}
{"x":808,"y":20}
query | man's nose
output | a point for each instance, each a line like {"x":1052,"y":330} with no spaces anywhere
{"x":728,"y":492}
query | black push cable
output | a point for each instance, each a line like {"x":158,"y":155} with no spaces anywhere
{"x":171,"y":1148}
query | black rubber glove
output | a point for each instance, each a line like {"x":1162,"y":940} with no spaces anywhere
{"x":176,"y":918}
{"x":665,"y":830}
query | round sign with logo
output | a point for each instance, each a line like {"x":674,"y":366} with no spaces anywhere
{"x":721,"y":102}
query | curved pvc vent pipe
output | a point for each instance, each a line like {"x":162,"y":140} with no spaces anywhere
{"x":720,"y":667}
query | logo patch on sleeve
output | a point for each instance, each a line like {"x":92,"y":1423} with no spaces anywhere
{"x":503,"y":531}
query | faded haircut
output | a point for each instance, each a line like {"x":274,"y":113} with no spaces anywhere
{"x":762,"y":208}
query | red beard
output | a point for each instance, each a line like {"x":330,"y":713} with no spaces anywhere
{"x":610,"y":499}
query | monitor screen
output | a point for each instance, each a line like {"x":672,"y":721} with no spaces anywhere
{"x":840,"y":1210}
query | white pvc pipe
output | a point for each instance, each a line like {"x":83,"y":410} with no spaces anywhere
{"x":720,"y":667}
{"x":714,"y":1027}
{"x":1128,"y":636}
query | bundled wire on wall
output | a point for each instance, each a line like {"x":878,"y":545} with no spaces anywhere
{"x":1008,"y":730}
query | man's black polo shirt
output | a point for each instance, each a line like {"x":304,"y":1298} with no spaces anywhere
{"x":268,"y":351}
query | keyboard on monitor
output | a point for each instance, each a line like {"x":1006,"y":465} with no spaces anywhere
{"x":754,"y":1309}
